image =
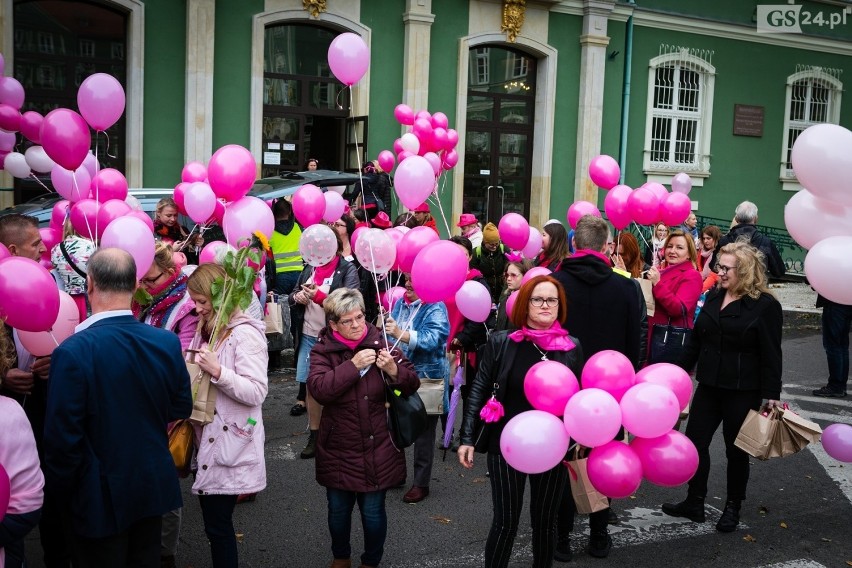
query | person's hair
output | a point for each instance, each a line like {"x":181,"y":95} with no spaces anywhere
{"x":163,"y":203}
{"x":751,"y":270}
{"x":591,"y":233}
{"x":339,"y":242}
{"x":405,"y":220}
{"x":713,"y":232}
{"x":7,"y":353}
{"x":359,"y":215}
{"x":201,"y":282}
{"x":308,"y":163}
{"x":12,"y":227}
{"x":68,"y":230}
{"x":557,"y":250}
{"x":341,"y":302}
{"x":746,"y":212}
{"x":656,"y":226}
{"x":630,"y":255}
{"x":164,"y":256}
{"x":350,"y":225}
{"x":521,"y":311}
{"x":690,"y":245}
{"x":463,"y":241}
{"x":282,"y":208}
{"x":112,"y":271}
{"x":523,"y":266}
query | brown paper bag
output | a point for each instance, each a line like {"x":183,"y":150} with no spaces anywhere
{"x":647,"y":291}
{"x":586,"y":498}
{"x":783,"y":442}
{"x":203,"y":395}
{"x":431,"y":392}
{"x":273,"y":319}
{"x":756,"y":434}
{"x":806,"y":431}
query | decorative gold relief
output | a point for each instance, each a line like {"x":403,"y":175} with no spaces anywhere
{"x":513,"y":17}
{"x":314,"y":7}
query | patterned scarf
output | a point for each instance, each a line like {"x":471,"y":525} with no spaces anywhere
{"x":165,"y":299}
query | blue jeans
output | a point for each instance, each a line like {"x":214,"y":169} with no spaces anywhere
{"x":217,"y":512}
{"x":303,"y":357}
{"x":286,"y":281}
{"x":836,"y":321}
{"x":374,"y":521}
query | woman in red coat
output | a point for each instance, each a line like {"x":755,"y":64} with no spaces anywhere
{"x":356,"y":459}
{"x":676,"y":284}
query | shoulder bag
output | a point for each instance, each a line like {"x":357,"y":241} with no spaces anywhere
{"x":668,"y":342}
{"x":181,"y":445}
{"x":406,"y":416}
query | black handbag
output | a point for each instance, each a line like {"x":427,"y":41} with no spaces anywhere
{"x":668,"y":342}
{"x":406,"y":417}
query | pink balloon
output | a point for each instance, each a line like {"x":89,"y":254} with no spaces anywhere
{"x":615,"y":470}
{"x":91,"y":164}
{"x":659,"y":189}
{"x":397,"y":146}
{"x":11,"y":92}
{"x":180,"y":190}
{"x":592,"y":417}
{"x":31,"y":126}
{"x":318,"y":245}
{"x":391,"y":296}
{"x":109,"y":184}
{"x":42,"y":343}
{"x":7,"y":141}
{"x":682,"y":183}
{"x":534,"y":442}
{"x":510,"y":303}
{"x":218,"y":213}
{"x":84,"y":217}
{"x":644,"y":206}
{"x":38,"y":159}
{"x":424,"y":114}
{"x":65,"y":137}
{"x":211,"y":250}
{"x":452,"y":139}
{"x":348,"y":58}
{"x":59,"y":213}
{"x":422,"y":128}
{"x":72,"y":186}
{"x":533,"y":272}
{"x":109,"y":212}
{"x":810,"y":219}
{"x":549,"y":385}
{"x":50,"y":237}
{"x":668,"y":460}
{"x":434,"y":161}
{"x":309,"y":205}
{"x":411,"y":244}
{"x":822,"y":161}
{"x":837,"y":442}
{"x":242,"y":218}
{"x":5,"y":487}
{"x":580,"y":208}
{"x":199,"y":201}
{"x":414,"y":181}
{"x":334,"y":206}
{"x":231,"y":172}
{"x":10,"y":118}
{"x":439,"y":138}
{"x":410,"y":142}
{"x":474,"y":301}
{"x":403,"y":115}
{"x":604,"y":171}
{"x":444,"y":258}
{"x":193,"y":171}
{"x":828,"y":269}
{"x":376,"y":251}
{"x":101,"y":100}
{"x":649,"y":410}
{"x":675,"y":208}
{"x":396,"y":236}
{"x":616,"y":206}
{"x":142,"y":216}
{"x":451,"y":158}
{"x":132,"y":235}
{"x":533,"y":247}
{"x":514,"y":231}
{"x":669,"y":376}
{"x":609,"y":370}
{"x":403,"y":155}
{"x":353,"y":238}
{"x":29,"y":298}
{"x":440,"y":120}
{"x":386,"y":160}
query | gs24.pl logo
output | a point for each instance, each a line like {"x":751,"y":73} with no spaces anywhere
{"x":790,"y":18}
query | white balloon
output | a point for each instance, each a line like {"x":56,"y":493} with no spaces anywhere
{"x":38,"y":159}
{"x":810,"y":219}
{"x":410,"y":142}
{"x":133,"y":202}
{"x":337,"y":188}
{"x":828,"y":267}
{"x":16,"y":164}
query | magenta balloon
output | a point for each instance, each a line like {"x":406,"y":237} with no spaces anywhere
{"x":474,"y":301}
{"x":578,"y":209}
{"x":644,"y":206}
{"x":309,"y":205}
{"x":451,"y":158}
{"x":376,"y":251}
{"x":180,"y":190}
{"x":514,"y":231}
{"x":810,"y":219}
{"x":510,"y":303}
{"x":403,"y":114}
{"x":396,"y":236}
{"x":11,"y":92}
{"x":533,"y":246}
{"x":422,"y":128}
{"x":109,"y":184}
{"x":84,"y":217}
{"x":59,"y":213}
{"x":609,"y":370}
{"x":424,"y":114}
{"x":391,"y":296}
{"x":132,"y":235}
{"x":616,"y":206}
{"x":199,"y":201}
{"x":444,"y":258}
{"x":682,"y":183}
{"x":534,"y":442}
{"x":549,"y":385}
{"x":10,"y":118}
{"x":615,"y":470}
{"x":829,"y":269}
{"x":50,"y":237}
{"x":91,"y":164}
{"x":412,"y":243}
{"x":29,"y":298}
{"x":65,"y":137}
{"x":592,"y":417}
{"x":604,"y":171}
{"x":31,"y":126}
{"x":353,"y":238}
{"x":823,"y":163}
{"x":7,"y":141}
{"x":836,"y":440}
{"x":348,"y":58}
{"x":211,"y":250}
{"x":440,"y":120}
{"x":452,"y":139}
{"x":403,"y":155}
{"x":193,"y":171}
{"x":675,"y":208}
{"x":397,"y":146}
{"x":5,"y":484}
{"x":439,"y":138}
{"x":242,"y":218}
{"x":670,"y":376}
{"x":218,"y":212}
{"x":318,"y":245}
{"x":72,"y":186}
{"x":659,"y":189}
{"x":42,"y":343}
{"x":101,"y":100}
{"x":668,"y":460}
{"x":434,"y":161}
{"x":414,"y":181}
{"x":109,"y":212}
{"x":533,"y":272}
{"x":386,"y":160}
{"x":334,"y":206}
{"x":142,"y":216}
{"x":649,"y":410}
{"x":231,"y":172}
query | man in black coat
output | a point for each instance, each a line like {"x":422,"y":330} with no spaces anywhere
{"x":745,"y":229}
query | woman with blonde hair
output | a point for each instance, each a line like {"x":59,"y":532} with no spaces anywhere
{"x":654,"y":249}
{"x":70,"y":257}
{"x":168,"y":229}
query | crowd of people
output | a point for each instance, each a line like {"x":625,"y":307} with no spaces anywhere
{"x":348,"y":351}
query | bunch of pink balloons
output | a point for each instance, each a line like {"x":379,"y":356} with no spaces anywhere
{"x":42,"y":343}
{"x":649,"y":203}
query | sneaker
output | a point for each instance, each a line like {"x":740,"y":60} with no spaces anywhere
{"x":563,"y":549}
{"x":827,"y":392}
{"x":298,"y":409}
{"x":600,"y":543}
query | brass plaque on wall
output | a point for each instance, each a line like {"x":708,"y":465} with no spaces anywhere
{"x":748,"y":120}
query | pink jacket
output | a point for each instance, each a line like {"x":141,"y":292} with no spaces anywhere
{"x":679,"y":285}
{"x":230,"y":460}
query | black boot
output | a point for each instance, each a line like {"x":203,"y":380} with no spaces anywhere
{"x":311,"y":447}
{"x":730,"y":517}
{"x":691,"y":508}
{"x":600,"y":543}
{"x":563,"y":549}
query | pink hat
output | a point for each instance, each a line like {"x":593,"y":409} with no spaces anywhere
{"x":382,"y":221}
{"x":422,"y":208}
{"x":467,"y":219}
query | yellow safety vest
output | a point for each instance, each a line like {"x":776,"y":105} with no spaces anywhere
{"x":286,"y":250}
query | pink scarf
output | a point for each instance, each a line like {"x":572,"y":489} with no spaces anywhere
{"x":589,"y":252}
{"x":553,"y":339}
{"x":350,"y":343}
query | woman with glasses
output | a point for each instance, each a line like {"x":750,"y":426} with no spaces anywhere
{"x":515,"y":271}
{"x":539,"y":310}
{"x":356,"y":459}
{"x":654,"y":249}
{"x":736,"y":344}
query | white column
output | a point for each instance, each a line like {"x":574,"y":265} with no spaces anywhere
{"x":593,"y":55}
{"x":198,"y":126}
{"x":417,"y":20}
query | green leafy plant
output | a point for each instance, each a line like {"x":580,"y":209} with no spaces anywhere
{"x":235,"y":289}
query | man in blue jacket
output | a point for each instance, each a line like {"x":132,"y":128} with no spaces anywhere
{"x":114,"y":386}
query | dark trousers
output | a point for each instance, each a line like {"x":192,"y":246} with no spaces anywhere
{"x":137,"y":547}
{"x":374,"y":521}
{"x":712,"y":406}
{"x":598,"y":520}
{"x":218,"y":512}
{"x":836,"y":323}
{"x":507,"y":496}
{"x":285,"y":282}
{"x":424,"y":453}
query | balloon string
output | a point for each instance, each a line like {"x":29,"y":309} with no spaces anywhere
{"x":441,"y":209}
{"x":407,"y":325}
{"x":106,"y":151}
{"x":53,"y":337}
{"x":85,"y":217}
{"x":378,"y":292}
{"x":186,"y":240}
{"x":35,"y":177}
{"x":358,"y":156}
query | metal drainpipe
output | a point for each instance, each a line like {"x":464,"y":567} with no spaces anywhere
{"x":625,"y":97}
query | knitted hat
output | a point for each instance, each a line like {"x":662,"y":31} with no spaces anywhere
{"x":490,"y":234}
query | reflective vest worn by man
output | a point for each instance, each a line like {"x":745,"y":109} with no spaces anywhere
{"x":285,"y":247}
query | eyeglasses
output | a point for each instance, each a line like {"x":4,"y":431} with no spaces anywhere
{"x":151,"y":281}
{"x":722,"y":269}
{"x":511,"y":275}
{"x":338,"y":224}
{"x":352,"y":321}
{"x":539,"y":302}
